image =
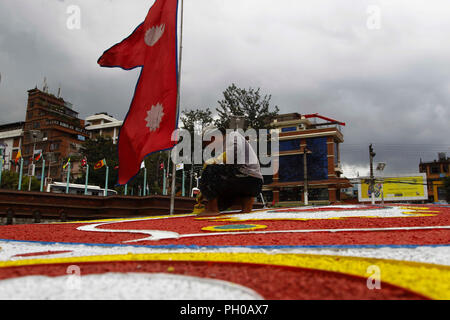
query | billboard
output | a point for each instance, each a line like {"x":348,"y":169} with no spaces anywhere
{"x":395,"y":188}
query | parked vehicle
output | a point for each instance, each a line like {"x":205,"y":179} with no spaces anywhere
{"x":61,"y":187}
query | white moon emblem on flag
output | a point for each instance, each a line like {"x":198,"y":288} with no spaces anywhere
{"x":154,"y":117}
{"x":154,"y":34}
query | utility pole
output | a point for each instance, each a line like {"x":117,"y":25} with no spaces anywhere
{"x":372,"y":179}
{"x":305,"y":176}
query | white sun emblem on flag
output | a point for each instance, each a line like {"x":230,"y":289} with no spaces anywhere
{"x":154,"y":34}
{"x":154,"y":117}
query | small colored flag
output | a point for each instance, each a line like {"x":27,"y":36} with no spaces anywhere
{"x":18,"y":156}
{"x":116,"y":167}
{"x":161,"y":166}
{"x":38,"y":157}
{"x":84,"y":162}
{"x":100,"y":164}
{"x":152,"y":116}
{"x":180,"y":166}
{"x":67,"y":163}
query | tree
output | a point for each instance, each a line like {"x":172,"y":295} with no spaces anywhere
{"x":103,"y":148}
{"x":190,"y":117}
{"x":95,"y":150}
{"x":10,"y":181}
{"x":248,"y":103}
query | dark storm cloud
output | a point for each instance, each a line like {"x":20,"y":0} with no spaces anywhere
{"x":391,"y":85}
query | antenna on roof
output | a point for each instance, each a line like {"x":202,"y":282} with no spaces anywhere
{"x":59,"y":91}
{"x":45,"y":87}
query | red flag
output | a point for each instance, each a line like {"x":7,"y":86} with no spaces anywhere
{"x":38,"y":157}
{"x":152,"y":116}
{"x":161,"y":166}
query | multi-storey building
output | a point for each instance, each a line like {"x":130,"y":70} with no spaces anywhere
{"x":11,"y":135}
{"x":310,"y":150}
{"x":53,"y":127}
{"x":103,"y":125}
{"x":436,"y":170}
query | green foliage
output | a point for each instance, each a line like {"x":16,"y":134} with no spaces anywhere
{"x":104,"y":148}
{"x":190,"y":117}
{"x":10,"y":181}
{"x":248,"y":103}
{"x":95,"y":150}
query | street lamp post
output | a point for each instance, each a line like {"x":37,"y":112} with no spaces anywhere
{"x":1,"y":163}
{"x":36,"y":135}
{"x":380,"y":168}
{"x":305,"y":176}
{"x":372,"y":180}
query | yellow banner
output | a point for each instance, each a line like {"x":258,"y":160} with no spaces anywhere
{"x":395,"y":188}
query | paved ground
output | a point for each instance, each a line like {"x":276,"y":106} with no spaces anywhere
{"x":330,"y":252}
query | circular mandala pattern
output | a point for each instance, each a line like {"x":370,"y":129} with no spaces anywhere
{"x":235,"y":227}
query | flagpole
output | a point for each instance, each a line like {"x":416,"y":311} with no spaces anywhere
{"x":42,"y":175}
{"x":68,"y":177}
{"x":172,"y":195}
{"x":1,"y":168}
{"x":32,"y":174}
{"x":145,"y":181}
{"x":164,"y":183}
{"x":182,"y":185}
{"x":86,"y":180}
{"x":20,"y":175}
{"x":106,"y":182}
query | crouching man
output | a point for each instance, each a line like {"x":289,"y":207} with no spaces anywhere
{"x":232,"y":178}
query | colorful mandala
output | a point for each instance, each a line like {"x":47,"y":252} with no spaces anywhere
{"x":330,"y":252}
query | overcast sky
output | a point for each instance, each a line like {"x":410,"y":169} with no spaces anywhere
{"x":382,"y":67}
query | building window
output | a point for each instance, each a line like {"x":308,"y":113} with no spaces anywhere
{"x":291,"y":194}
{"x":36,"y":125}
{"x":289,"y":145}
{"x":435,"y":169}
{"x":317,"y":160}
{"x":54,"y":146}
{"x":318,"y":194}
{"x":291,"y":168}
{"x":287,"y":129}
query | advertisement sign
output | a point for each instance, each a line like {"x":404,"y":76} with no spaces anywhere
{"x":395,"y":188}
